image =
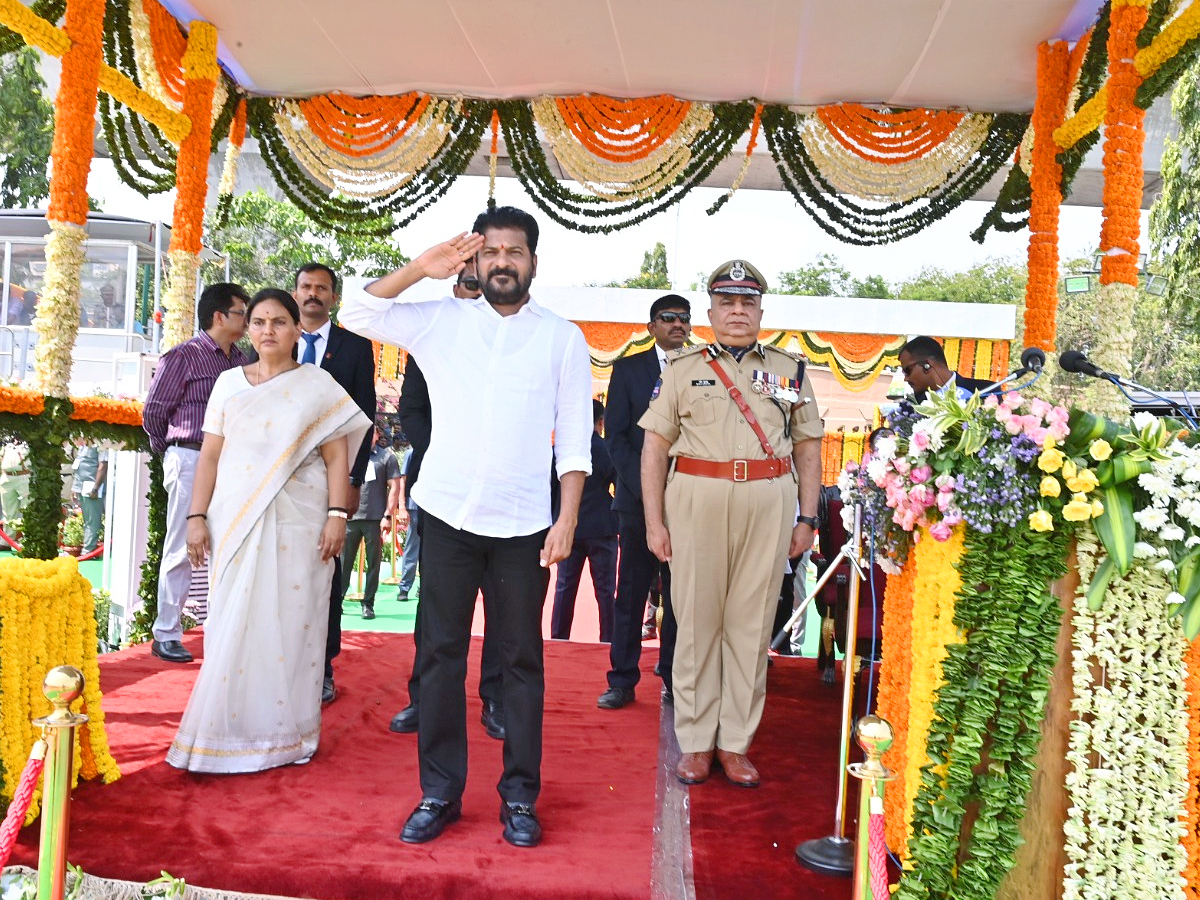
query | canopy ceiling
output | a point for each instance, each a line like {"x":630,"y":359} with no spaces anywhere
{"x":973,"y":54}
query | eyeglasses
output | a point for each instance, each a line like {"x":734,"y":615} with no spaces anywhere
{"x":672,"y":317}
{"x":235,"y":312}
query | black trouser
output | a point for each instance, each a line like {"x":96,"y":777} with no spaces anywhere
{"x":333,"y":638}
{"x":489,"y":662}
{"x":635,"y":573}
{"x":456,"y":563}
{"x":365,"y":532}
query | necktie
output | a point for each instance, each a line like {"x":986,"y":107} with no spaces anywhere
{"x":310,"y":350}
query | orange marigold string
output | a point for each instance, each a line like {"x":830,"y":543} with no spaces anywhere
{"x":1124,"y":137}
{"x":1049,"y":110}
{"x":622,"y":130}
{"x":169,"y":44}
{"x":888,"y":137}
{"x":74,"y":121}
{"x":362,"y":126}
{"x":1191,"y":806}
{"x":831,"y":456}
{"x":894,"y":689}
{"x":191,"y":171}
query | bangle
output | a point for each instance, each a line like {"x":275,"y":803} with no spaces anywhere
{"x":338,"y":509}
{"x":338,"y":514}
{"x":198,"y":515}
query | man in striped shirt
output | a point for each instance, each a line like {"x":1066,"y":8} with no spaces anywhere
{"x":172,"y":416}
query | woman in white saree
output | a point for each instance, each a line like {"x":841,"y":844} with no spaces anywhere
{"x":271,"y":491}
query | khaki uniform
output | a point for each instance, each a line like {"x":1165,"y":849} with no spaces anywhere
{"x":728,"y":539}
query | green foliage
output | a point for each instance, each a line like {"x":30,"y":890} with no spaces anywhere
{"x":653,"y":273}
{"x":47,"y":437}
{"x":156,"y":534}
{"x":991,"y":281}
{"x":268,"y":240}
{"x":102,"y":606}
{"x":72,"y":530}
{"x":27,"y":133}
{"x":987,"y":717}
{"x":825,"y":276}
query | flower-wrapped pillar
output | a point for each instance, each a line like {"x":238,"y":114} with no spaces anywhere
{"x":191,"y":183}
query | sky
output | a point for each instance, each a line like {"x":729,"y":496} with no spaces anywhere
{"x":765,"y":227}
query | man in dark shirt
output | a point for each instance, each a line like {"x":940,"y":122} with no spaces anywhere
{"x":380,"y":498}
{"x":595,"y":542}
{"x":172,"y":416}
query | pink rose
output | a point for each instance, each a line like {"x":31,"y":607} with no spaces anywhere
{"x":1037,"y":435}
{"x":1012,"y":401}
{"x":1014,"y":425}
{"x":952,"y":517}
{"x":901,"y":465}
{"x":1039,"y":407}
{"x":920,"y":440}
{"x":944,"y":500}
{"x":921,"y":474}
{"x":990,"y":401}
{"x":940,"y":531}
{"x":1003,"y":413}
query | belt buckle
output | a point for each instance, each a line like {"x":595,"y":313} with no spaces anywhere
{"x":743,"y":473}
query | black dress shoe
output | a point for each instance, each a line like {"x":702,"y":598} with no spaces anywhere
{"x":430,"y":819}
{"x":492,"y":719}
{"x":405,"y":721}
{"x":658,"y":669}
{"x":171,"y":651}
{"x":668,"y":697}
{"x":328,"y":691}
{"x":368,"y":612}
{"x":615,"y":698}
{"x":521,"y":827}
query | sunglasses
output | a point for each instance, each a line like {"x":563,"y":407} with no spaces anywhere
{"x":672,"y":317}
{"x":907,"y":370}
{"x":471,"y":283}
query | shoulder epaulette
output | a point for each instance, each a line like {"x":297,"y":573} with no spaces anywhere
{"x":673,"y":355}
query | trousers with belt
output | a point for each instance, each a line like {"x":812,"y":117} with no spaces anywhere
{"x":728,"y":542}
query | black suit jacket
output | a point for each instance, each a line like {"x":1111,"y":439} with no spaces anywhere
{"x":350,"y":359}
{"x":633,"y":380}
{"x":596,"y":516}
{"x":416,"y":418}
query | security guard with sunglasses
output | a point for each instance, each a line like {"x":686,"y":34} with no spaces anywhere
{"x":732,"y":438}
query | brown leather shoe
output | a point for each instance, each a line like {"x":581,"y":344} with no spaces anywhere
{"x":693,"y":768}
{"x":738,"y":768}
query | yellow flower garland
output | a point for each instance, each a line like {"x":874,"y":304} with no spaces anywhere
{"x":57,"y":317}
{"x":49,"y":620}
{"x":933,"y":629}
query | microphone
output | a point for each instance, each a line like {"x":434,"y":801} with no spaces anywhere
{"x":1032,"y":359}
{"x":1075,"y":361}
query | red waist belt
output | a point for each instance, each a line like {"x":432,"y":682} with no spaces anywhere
{"x":734,"y":469}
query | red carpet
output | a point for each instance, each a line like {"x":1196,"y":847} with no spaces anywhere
{"x":744,"y":841}
{"x":329,"y":829}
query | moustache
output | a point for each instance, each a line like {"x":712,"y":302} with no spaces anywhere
{"x":511,"y":273}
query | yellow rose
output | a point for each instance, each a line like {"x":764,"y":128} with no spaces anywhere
{"x":1050,"y":487}
{"x":1048,"y":442}
{"x":1078,"y":510}
{"x":1097,"y":508}
{"x":1069,"y":469}
{"x":1040,"y":520}
{"x":1083,"y":482}
{"x":1100,"y":449}
{"x":1051,"y":460}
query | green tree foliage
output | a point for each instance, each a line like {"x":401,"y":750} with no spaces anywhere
{"x":653,"y":274}
{"x":1175,"y":216}
{"x":871,"y":286}
{"x":992,"y":281}
{"x":268,"y":240}
{"x":27,"y":133}
{"x":825,"y":276}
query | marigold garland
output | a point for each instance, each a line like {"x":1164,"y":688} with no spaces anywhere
{"x":106,"y":409}
{"x":1041,"y":290}
{"x":49,"y":620}
{"x":1190,"y":821}
{"x":35,"y":30}
{"x":168,"y":46}
{"x":888,"y":137}
{"x":620,"y":130}
{"x":21,"y":401}
{"x":933,"y":630}
{"x":894,"y":689}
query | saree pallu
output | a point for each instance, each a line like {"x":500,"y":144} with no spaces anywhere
{"x":256,"y":703}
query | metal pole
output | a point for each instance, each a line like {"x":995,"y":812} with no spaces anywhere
{"x":62,"y":686}
{"x":834,"y":854}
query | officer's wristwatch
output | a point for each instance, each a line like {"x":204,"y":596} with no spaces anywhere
{"x":810,"y":521}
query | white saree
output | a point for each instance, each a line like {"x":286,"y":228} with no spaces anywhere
{"x":256,"y":703}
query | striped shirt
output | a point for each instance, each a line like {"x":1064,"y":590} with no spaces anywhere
{"x":183,"y":381}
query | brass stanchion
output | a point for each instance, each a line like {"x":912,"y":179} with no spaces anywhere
{"x":834,"y":854}
{"x":875,"y":736}
{"x":361,"y":563}
{"x":394,"y":578}
{"x":62,"y":686}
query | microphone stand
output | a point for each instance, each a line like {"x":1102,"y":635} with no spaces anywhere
{"x":834,"y":854}
{"x":1122,"y":383}
{"x":1019,"y":373}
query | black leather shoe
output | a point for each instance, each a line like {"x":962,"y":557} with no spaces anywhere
{"x":493,"y":720}
{"x":521,"y":827}
{"x":405,"y":721}
{"x":658,"y":669}
{"x":667,"y":697}
{"x":430,"y":819}
{"x":171,"y":651}
{"x":615,"y":698}
{"x":368,"y":612}
{"x":328,"y":691}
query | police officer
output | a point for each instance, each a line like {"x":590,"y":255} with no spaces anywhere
{"x":732,"y":437}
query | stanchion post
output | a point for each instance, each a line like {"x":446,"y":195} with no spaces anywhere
{"x":361,"y":563}
{"x":62,"y":686}
{"x":834,"y":854}
{"x":874,"y":736}
{"x":394,"y":578}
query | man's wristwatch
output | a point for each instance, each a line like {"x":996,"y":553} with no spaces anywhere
{"x":810,"y":521}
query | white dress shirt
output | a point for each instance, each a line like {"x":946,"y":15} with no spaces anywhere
{"x":500,"y":387}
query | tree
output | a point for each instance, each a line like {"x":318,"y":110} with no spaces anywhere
{"x":653,"y":274}
{"x":28,"y":133}
{"x":823,"y":277}
{"x":268,"y":240}
{"x":871,"y":286}
{"x":992,"y":281}
{"x":1175,"y":215}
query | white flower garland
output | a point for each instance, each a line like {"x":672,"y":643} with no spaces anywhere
{"x":368,"y":176}
{"x":1128,"y":745}
{"x":1111,"y":349}
{"x":57,"y":320}
{"x":614,"y":181}
{"x":179,"y":299}
{"x":897,"y":182}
